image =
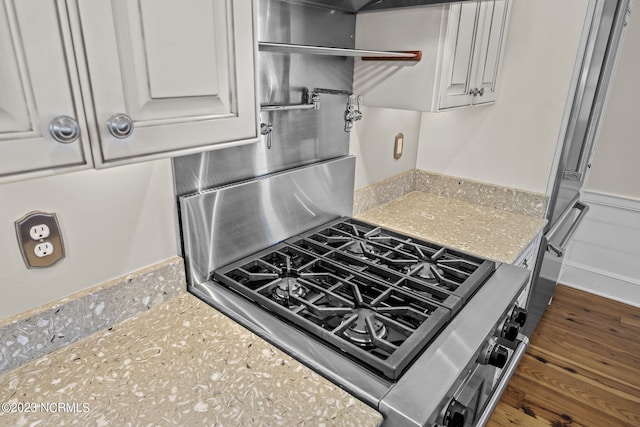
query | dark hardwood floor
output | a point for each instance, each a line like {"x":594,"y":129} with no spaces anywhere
{"x":582,"y":367}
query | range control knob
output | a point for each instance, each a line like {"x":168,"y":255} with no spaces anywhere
{"x":455,"y":415}
{"x":494,"y":354}
{"x":510,"y":331}
{"x":519,"y":315}
{"x":498,"y":357}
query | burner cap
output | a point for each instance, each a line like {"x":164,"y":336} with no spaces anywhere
{"x":357,"y":332}
{"x":288,"y":286}
{"x":359,"y":248}
{"x":424,"y":271}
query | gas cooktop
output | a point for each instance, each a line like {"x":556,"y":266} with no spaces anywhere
{"x":378,"y":296}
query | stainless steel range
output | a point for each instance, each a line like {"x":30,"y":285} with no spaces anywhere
{"x":425,"y":334}
{"x":378,"y":296}
{"x":419,"y":331}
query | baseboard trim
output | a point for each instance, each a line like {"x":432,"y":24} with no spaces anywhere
{"x":613,"y":201}
{"x":603,"y":283}
{"x":602,"y":257}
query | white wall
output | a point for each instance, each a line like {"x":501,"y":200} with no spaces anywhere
{"x":372,"y":140}
{"x":513,"y":142}
{"x":113,"y":221}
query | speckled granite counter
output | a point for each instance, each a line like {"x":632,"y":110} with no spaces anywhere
{"x":481,"y":230}
{"x":179,"y":363}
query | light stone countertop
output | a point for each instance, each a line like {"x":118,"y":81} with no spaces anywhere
{"x":179,"y":363}
{"x":484,"y":231}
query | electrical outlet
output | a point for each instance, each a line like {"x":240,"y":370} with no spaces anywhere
{"x":43,"y":249}
{"x":39,"y":239}
{"x":40,"y":231}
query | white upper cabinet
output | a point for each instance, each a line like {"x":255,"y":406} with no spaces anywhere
{"x":473,"y":52}
{"x":38,"y":83}
{"x":460,"y":49}
{"x":135,"y":80}
{"x":182,"y":72}
{"x":462,"y":46}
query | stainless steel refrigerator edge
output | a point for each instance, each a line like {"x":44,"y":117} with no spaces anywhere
{"x":566,"y":211}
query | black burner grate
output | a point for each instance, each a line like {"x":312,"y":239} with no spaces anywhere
{"x":377,"y":295}
{"x":381,"y":325}
{"x":427,"y":265}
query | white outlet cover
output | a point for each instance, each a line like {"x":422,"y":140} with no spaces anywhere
{"x":43,"y":249}
{"x":40,"y":231}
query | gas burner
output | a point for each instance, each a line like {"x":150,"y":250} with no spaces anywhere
{"x":358,"y":331}
{"x":359,"y":248}
{"x":427,"y":271}
{"x":288,"y":287}
{"x":351,"y":301}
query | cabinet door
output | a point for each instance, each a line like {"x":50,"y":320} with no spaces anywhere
{"x":36,"y":85}
{"x":183,"y":71}
{"x":492,"y":30}
{"x":457,"y":62}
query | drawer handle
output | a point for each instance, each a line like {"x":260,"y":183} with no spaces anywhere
{"x":562,"y":247}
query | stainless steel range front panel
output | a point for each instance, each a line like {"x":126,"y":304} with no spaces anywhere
{"x":230,"y":222}
{"x":417,"y":396}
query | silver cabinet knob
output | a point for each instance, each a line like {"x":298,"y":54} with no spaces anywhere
{"x":476,"y":92}
{"x":64,"y":129}
{"x":120,"y":126}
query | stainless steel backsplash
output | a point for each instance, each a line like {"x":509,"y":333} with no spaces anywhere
{"x":233,"y":221}
{"x":298,"y":137}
